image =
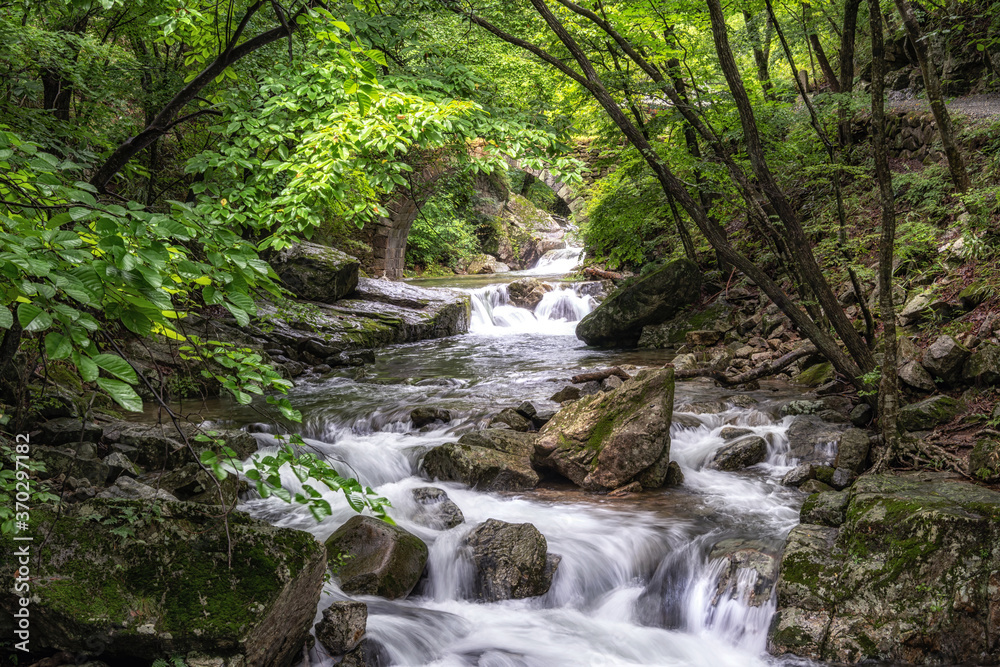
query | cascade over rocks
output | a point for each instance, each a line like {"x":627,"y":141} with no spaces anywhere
{"x":380,"y":559}
{"x":343,"y":626}
{"x":740,"y":454}
{"x":316,"y":272}
{"x":167,"y":589}
{"x":511,"y":561}
{"x":605,"y":441}
{"x":910,"y":576}
{"x":650,"y":299}
{"x":527,"y":292}
{"x":436,"y":509}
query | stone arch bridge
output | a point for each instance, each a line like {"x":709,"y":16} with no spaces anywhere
{"x":388,"y":236}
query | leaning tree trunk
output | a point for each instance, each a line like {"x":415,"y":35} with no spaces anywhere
{"x":847,"y":38}
{"x":932,"y":82}
{"x":824,"y":62}
{"x":888,"y":394}
{"x":759,"y":56}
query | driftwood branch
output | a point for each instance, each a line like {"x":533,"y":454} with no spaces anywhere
{"x":600,"y":375}
{"x":601,"y":274}
{"x":765,"y":370}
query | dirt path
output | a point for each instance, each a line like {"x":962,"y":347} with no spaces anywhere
{"x":971,"y":106}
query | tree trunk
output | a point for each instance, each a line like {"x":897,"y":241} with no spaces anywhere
{"x":759,"y":58}
{"x":888,"y":395}
{"x":824,"y":63}
{"x":847,"y":39}
{"x":932,"y":82}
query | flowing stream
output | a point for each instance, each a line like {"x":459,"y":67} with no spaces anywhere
{"x":637,"y":584}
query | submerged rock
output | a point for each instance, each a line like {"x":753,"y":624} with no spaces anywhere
{"x":316,"y":272}
{"x":423,"y":416}
{"x":378,"y":558}
{"x":757,"y":556}
{"x":527,"y":292}
{"x":511,"y":561}
{"x":649,"y":299}
{"x":165,"y":586}
{"x":605,"y":441}
{"x":909,"y":577}
{"x":436,"y":509}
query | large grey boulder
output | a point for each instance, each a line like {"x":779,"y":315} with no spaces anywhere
{"x":490,"y":460}
{"x":66,"y":430}
{"x":160,"y":446}
{"x":944,"y":358}
{"x":916,"y":376}
{"x":527,"y":292}
{"x":852,"y":450}
{"x":649,"y":299}
{"x":378,"y":558}
{"x":511,"y":561}
{"x":605,"y":441}
{"x":910,"y":577}
{"x":718,"y":318}
{"x":812,"y":440}
{"x":140,"y":583}
{"x":316,"y":272}
{"x":759,"y":557}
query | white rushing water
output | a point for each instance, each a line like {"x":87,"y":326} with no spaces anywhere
{"x":637,"y":584}
{"x":556,"y":262}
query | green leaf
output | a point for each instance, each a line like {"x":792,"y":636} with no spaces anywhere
{"x":88,"y":369}
{"x":6,"y":318}
{"x":33,"y":318}
{"x":122,"y":394}
{"x":116,"y":366}
{"x":57,"y":346}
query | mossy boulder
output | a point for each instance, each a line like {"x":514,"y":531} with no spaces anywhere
{"x":160,"y":446}
{"x":719,"y":317}
{"x":928,"y":413}
{"x":944,"y":358}
{"x":379,"y":558}
{"x":983,"y":367}
{"x":815,"y":375}
{"x":605,"y":441}
{"x":316,"y":272}
{"x":911,"y":576}
{"x":511,"y":561}
{"x":650,"y":299}
{"x":824,"y":509}
{"x":491,"y":460}
{"x":140,"y":583}
{"x":984,"y":462}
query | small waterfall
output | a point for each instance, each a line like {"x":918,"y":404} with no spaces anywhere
{"x":556,"y":262}
{"x":556,"y":314}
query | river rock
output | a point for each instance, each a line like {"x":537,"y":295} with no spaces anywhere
{"x":852,"y":450}
{"x":757,"y":556}
{"x":916,"y":376}
{"x":342,"y":626}
{"x":514,"y":419}
{"x":490,"y":460}
{"x":929,"y":413}
{"x":605,"y":441}
{"x":511,"y":561}
{"x":316,"y":272}
{"x":66,"y":430}
{"x":192,"y":483}
{"x":160,"y":446}
{"x":567,"y":393}
{"x":825,"y":509}
{"x":527,"y":292}
{"x":944,"y":358}
{"x":379,"y":558}
{"x":984,"y":462}
{"x":483,"y":264}
{"x":435,"y":509}
{"x":166,"y":587}
{"x":799,"y":475}
{"x":801,"y":407}
{"x":740,"y":454}
{"x":910,"y":577}
{"x":131,"y":489}
{"x":862,"y":415}
{"x":812,"y":440}
{"x":65,"y":461}
{"x":423,"y":416}
{"x":734,"y":432}
{"x":983,"y":366}
{"x":649,"y":299}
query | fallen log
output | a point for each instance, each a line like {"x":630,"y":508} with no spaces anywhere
{"x":601,"y":274}
{"x":764,"y":370}
{"x":600,"y":375}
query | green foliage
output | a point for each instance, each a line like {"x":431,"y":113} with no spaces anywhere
{"x":18,"y":493}
{"x":125,"y":522}
{"x":444,"y":232}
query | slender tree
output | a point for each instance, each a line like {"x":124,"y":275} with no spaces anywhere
{"x":817,"y":46}
{"x":932,"y":83}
